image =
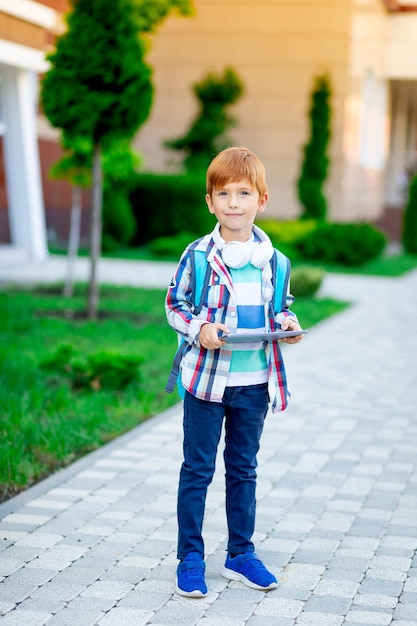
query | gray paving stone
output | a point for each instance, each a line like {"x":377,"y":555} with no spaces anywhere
{"x":328,"y":604}
{"x":406,"y":611}
{"x":368,"y":617}
{"x":385,"y":587}
{"x":18,"y":617}
{"x":319,"y":619}
{"x":120,"y":616}
{"x":232,"y":607}
{"x":279,"y":607}
{"x":58,"y":591}
{"x":313,"y":557}
{"x":151,"y":601}
{"x":42,"y":605}
{"x":70,"y":617}
{"x":176,"y":613}
{"x":26,"y":576}
{"x":107,"y":589}
{"x":125,"y":574}
{"x":11,"y":592}
{"x":91,"y":603}
{"x":81,"y":576}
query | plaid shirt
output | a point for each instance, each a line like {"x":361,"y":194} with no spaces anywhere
{"x":204,"y":372}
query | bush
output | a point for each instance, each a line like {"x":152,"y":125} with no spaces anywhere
{"x":306,"y":281}
{"x":409,"y":234}
{"x":166,"y":205}
{"x":172,"y":246}
{"x":288,"y":232}
{"x":346,"y":244}
{"x":94,"y":372}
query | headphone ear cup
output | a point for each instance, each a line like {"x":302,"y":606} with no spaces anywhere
{"x":261,"y":254}
{"x":235,"y":254}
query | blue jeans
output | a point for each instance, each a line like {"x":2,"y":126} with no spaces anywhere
{"x":245,"y":409}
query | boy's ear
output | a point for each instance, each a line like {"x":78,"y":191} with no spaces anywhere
{"x":209,"y":203}
{"x":263,"y":202}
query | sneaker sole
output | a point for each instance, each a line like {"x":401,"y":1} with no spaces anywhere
{"x":196,"y":593}
{"x":232,"y":575}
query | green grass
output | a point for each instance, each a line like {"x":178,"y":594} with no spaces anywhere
{"x":44,"y":423}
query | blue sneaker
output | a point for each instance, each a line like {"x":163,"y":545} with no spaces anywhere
{"x":190,"y":577}
{"x":250,"y":570}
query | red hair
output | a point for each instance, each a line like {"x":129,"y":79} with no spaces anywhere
{"x":235,"y":164}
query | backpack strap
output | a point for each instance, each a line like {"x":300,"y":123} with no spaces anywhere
{"x":200,"y":278}
{"x":281,"y":268}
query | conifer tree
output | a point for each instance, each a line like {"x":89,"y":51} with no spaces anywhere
{"x":315,"y":163}
{"x":98,"y":88}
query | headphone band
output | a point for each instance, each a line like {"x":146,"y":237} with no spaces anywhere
{"x":237,"y":254}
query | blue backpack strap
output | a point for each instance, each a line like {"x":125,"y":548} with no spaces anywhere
{"x":281,"y":268}
{"x":200,"y":278}
{"x":175,"y":370}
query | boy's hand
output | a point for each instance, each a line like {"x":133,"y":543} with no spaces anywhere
{"x":289,"y":324}
{"x":209,"y":337}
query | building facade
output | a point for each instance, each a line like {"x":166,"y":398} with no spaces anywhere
{"x":277,"y":47}
{"x":27,"y":31}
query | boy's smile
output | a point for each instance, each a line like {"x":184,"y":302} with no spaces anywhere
{"x":235,"y":206}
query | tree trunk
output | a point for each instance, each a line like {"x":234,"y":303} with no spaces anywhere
{"x":95,"y":234}
{"x":74,"y":239}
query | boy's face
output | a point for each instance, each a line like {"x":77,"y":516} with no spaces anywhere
{"x":235,"y":206}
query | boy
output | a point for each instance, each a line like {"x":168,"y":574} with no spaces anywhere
{"x":225,"y":380}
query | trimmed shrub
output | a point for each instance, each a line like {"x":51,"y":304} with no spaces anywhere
{"x":316,"y":161}
{"x":172,"y":246}
{"x":207,"y":134}
{"x":306,"y":281}
{"x":93,"y":372}
{"x":287,"y":232}
{"x":166,"y":205}
{"x":409,"y":233}
{"x":346,"y":244}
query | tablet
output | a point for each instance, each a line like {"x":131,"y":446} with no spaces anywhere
{"x":265,"y":336}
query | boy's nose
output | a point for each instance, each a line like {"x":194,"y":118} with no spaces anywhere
{"x":233,"y":202}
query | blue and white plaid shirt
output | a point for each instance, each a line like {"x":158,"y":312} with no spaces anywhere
{"x":204,"y":372}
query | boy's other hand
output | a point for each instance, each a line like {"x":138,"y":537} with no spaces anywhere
{"x":209,"y":335}
{"x":289,"y":324}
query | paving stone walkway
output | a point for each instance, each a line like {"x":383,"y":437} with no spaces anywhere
{"x":94,"y":545}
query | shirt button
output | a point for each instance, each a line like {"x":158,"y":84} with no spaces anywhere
{"x":232,"y":314}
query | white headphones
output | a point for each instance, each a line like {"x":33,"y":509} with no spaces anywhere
{"x":237,"y":254}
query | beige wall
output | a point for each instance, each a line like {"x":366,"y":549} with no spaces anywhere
{"x":357,"y":191}
{"x":277,"y":47}
{"x":401,"y":48}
